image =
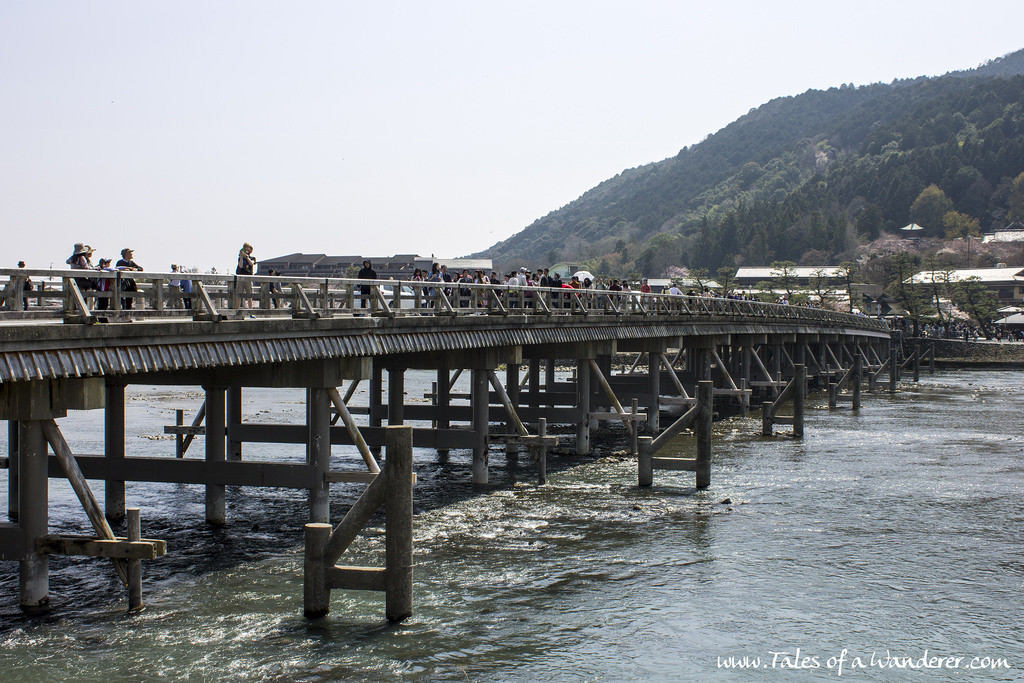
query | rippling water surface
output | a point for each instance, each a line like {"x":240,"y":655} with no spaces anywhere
{"x":894,"y":530}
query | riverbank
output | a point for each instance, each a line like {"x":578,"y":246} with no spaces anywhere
{"x":956,"y":353}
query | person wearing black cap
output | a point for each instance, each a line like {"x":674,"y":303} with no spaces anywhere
{"x":126,"y":262}
{"x":103,"y":285}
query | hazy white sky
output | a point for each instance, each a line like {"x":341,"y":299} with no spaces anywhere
{"x":184,"y":128}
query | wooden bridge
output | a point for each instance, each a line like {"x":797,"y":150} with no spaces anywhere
{"x":76,"y":339}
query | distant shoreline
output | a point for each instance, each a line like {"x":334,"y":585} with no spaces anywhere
{"x":966,"y":363}
{"x":956,"y":353}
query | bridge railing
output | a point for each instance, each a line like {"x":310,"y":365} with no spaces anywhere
{"x":85,"y":295}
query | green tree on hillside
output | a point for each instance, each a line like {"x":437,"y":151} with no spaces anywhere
{"x":930,"y":207}
{"x":622,"y":250}
{"x":661,"y":252}
{"x":1017,"y":199}
{"x":870,"y":221}
{"x":839,"y":237}
{"x":960,"y":225}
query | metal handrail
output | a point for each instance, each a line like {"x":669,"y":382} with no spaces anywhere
{"x":53,"y":295}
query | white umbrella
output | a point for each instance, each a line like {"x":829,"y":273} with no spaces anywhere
{"x":583,"y":275}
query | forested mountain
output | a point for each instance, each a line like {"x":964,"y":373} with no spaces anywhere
{"x":806,"y":178}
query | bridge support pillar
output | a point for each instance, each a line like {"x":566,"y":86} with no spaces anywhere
{"x":443,"y":401}
{"x":534,"y":385}
{"x":702,"y":364}
{"x":799,"y":397}
{"x":823,"y":359}
{"x":702,"y":429}
{"x":800,"y":351}
{"x":893,"y":369}
{"x":549,"y":380}
{"x":858,"y":379}
{"x":113,"y":445}
{"x":234,"y":419}
{"x":216,"y":509}
{"x":396,"y":396}
{"x":917,"y":362}
{"x":653,"y":392}
{"x":34,"y":577}
{"x":12,"y":470}
{"x":318,"y":452}
{"x":512,"y":390}
{"x":377,"y":399}
{"x":583,"y":396}
{"x":480,"y":402}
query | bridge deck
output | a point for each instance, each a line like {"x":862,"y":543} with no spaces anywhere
{"x":323,"y":319}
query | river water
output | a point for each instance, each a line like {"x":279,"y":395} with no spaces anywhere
{"x":885,"y":539}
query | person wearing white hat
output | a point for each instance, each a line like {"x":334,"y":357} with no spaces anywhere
{"x":81,"y":259}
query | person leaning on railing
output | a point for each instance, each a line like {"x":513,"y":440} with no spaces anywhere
{"x":181,"y":287}
{"x":81,"y":259}
{"x":127,"y":263}
{"x":104,"y":285}
{"x":273,"y":289}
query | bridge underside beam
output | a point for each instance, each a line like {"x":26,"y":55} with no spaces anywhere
{"x":321,"y":373}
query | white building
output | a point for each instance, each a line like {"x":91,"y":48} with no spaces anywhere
{"x":1006,"y":283}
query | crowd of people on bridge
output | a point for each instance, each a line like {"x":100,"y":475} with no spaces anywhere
{"x":599,"y":289}
{"x":181,"y":287}
{"x":81,"y":259}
